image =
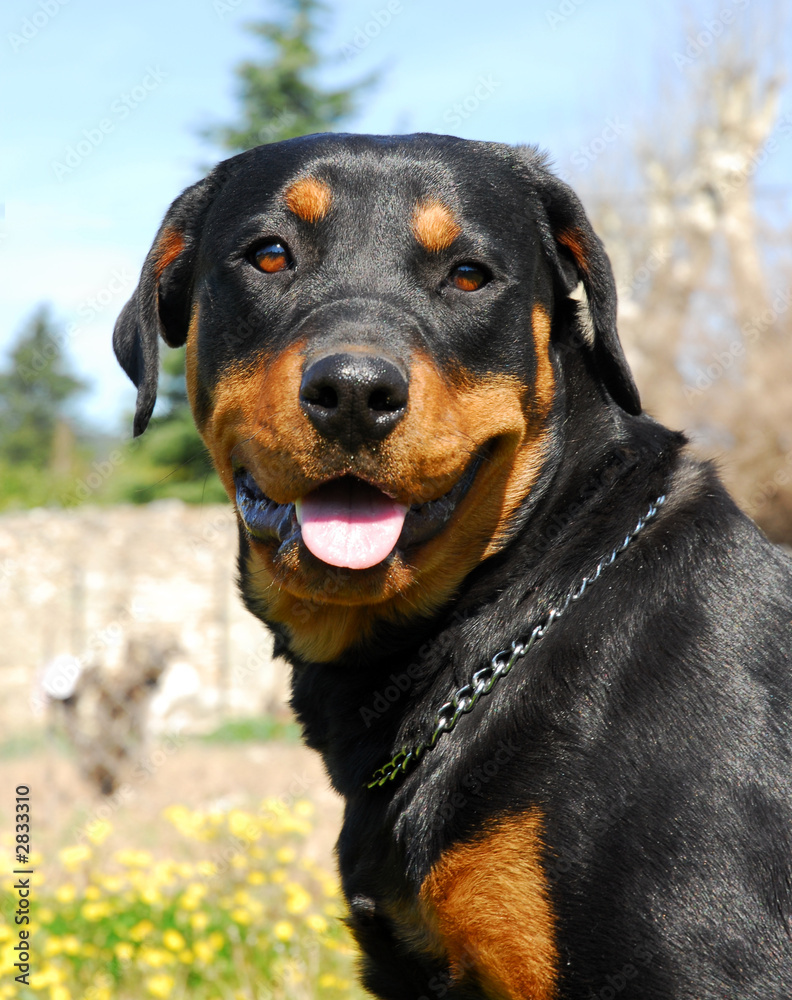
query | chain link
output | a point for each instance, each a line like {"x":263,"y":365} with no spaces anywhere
{"x":485,"y":679}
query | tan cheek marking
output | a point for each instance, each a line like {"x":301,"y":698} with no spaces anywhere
{"x":434,"y":226}
{"x":169,"y":246}
{"x":256,"y":413}
{"x":489,"y":901}
{"x":191,"y":357}
{"x":545,"y":377}
{"x":309,"y":199}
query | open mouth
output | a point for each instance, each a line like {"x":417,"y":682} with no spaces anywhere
{"x":347,"y":522}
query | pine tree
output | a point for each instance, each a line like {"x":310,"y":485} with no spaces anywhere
{"x":280,"y":98}
{"x":39,"y":437}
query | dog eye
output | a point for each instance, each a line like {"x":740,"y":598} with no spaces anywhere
{"x":469,"y":277}
{"x":272,"y":257}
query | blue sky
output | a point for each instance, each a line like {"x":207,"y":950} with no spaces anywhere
{"x":102,"y":105}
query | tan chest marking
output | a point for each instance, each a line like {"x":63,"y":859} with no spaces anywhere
{"x":489,"y":902}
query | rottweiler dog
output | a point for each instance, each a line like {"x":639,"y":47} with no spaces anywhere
{"x":546,"y":659}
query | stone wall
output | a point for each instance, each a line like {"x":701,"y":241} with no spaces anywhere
{"x":81,"y":583}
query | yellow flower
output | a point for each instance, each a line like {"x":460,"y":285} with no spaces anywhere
{"x":59,"y":993}
{"x":5,"y":932}
{"x":92,"y":892}
{"x":240,"y":916}
{"x":156,"y":957}
{"x":204,"y":952}
{"x":151,"y":895}
{"x":303,"y":808}
{"x":316,"y":923}
{"x":134,"y":859}
{"x":49,"y":976}
{"x":113,"y":884}
{"x":70,"y":944}
{"x":173,"y":940}
{"x":46,"y":916}
{"x":327,"y":981}
{"x":141,"y":930}
{"x":285,"y":855}
{"x":98,"y":831}
{"x":278,"y":876}
{"x":243,"y":825}
{"x":124,"y":951}
{"x":186,"y":956}
{"x":96,"y":911}
{"x":283,"y":930}
{"x":216,"y":940}
{"x":189,"y":824}
{"x":298,"y":899}
{"x":257,"y":878}
{"x":199,"y":921}
{"x":160,"y":986}
{"x":73,"y":857}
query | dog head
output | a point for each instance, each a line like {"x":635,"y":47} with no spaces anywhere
{"x":374,"y":336}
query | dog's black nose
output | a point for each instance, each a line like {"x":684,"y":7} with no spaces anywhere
{"x":353,"y":398}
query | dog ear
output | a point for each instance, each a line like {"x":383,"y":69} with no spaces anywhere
{"x":577,"y":254}
{"x":160,"y":305}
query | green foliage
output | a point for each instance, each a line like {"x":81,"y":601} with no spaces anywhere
{"x":170,"y":459}
{"x":34,"y":393}
{"x":240,"y":911}
{"x":258,"y":729}
{"x":42,"y":448}
{"x":280,"y":96}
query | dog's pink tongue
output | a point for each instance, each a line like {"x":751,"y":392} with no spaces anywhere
{"x":349,"y":523}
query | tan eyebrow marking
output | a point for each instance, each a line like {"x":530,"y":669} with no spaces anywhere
{"x":434,"y":225}
{"x":309,"y":199}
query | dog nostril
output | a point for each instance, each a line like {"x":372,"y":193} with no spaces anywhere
{"x":382,"y":401}
{"x":321,"y":395}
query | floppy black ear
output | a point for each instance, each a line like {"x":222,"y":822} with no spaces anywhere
{"x":160,"y":305}
{"x":577,"y":254}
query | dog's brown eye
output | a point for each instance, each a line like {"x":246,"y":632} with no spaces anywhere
{"x":468,"y":277}
{"x":272,"y":257}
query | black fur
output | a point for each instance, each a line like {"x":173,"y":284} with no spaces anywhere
{"x":652,"y":725}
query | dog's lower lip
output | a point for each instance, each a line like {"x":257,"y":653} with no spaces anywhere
{"x":265,"y":519}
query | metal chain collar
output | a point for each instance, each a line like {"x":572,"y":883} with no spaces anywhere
{"x":485,"y":679}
